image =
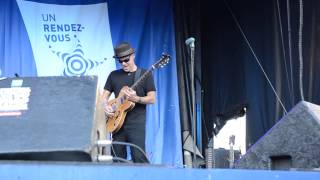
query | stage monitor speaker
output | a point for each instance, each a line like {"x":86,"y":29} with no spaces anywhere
{"x":292,"y":143}
{"x":222,"y":158}
{"x":50,"y":118}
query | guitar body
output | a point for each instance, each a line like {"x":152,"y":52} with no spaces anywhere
{"x":123,"y":105}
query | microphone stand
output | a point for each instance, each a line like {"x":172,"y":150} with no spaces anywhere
{"x":193,"y":104}
{"x":193,"y":120}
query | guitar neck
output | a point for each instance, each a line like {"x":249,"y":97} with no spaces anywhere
{"x":142,"y":78}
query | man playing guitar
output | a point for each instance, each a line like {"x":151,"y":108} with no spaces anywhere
{"x":118,"y":82}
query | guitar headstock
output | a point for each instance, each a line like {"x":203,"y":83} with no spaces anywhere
{"x":164,"y":60}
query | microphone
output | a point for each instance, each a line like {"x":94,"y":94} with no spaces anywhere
{"x":190,"y":42}
{"x":16,"y":75}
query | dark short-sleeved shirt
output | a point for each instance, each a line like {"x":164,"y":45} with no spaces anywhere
{"x":119,"y":78}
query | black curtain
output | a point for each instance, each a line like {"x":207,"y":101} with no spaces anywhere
{"x":231,"y":75}
{"x":222,"y":66}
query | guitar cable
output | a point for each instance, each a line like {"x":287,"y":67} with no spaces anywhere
{"x":109,"y":142}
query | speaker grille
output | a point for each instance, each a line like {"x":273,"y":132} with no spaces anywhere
{"x":296,"y":135}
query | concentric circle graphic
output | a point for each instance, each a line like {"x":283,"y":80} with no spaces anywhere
{"x":75,"y":63}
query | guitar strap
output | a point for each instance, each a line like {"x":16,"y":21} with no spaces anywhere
{"x":137,"y":75}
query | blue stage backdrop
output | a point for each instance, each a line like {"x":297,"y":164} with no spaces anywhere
{"x":76,"y":37}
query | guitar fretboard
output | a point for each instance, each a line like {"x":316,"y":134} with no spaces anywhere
{"x":141,"y":79}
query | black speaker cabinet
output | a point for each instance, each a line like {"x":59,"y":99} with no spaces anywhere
{"x":222,"y":157}
{"x":50,"y":118}
{"x":294,"y":142}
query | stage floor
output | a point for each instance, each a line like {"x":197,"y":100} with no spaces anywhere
{"x":10,"y":170}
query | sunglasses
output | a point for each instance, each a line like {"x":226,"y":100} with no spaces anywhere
{"x":124,"y":60}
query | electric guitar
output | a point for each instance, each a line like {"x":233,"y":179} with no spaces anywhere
{"x":121,"y":105}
